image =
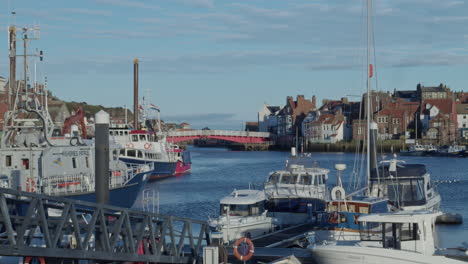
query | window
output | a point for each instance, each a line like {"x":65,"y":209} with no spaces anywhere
{"x":140,"y":154}
{"x":142,"y":137}
{"x":131,"y":153}
{"x":8,"y":161}
{"x":121,"y":133}
{"x":122,"y":152}
{"x":111,"y":133}
{"x":359,"y":131}
{"x":74,"y":162}
{"x":135,"y":138}
{"x":25,"y":163}
{"x":305,"y":180}
{"x":288,"y":179}
{"x":87,"y":162}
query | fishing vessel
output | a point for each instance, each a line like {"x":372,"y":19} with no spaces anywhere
{"x":145,"y":147}
{"x":33,"y":160}
{"x":295,"y":193}
{"x":184,"y":160}
{"x":242,"y":214}
{"x":403,"y":237}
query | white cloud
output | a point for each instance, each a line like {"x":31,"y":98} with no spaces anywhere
{"x":129,"y":3}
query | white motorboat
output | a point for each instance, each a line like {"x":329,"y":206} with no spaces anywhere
{"x":407,"y":186}
{"x":295,"y":193}
{"x":386,"y":238}
{"x":242,"y":214}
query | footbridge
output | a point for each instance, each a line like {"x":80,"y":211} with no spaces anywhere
{"x":243,"y":137}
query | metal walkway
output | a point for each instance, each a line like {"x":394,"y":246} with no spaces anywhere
{"x":59,"y":228}
{"x":284,"y":237}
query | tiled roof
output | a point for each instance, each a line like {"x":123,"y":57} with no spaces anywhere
{"x":444,"y":105}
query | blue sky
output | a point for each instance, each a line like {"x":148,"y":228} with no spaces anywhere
{"x":215,"y":62}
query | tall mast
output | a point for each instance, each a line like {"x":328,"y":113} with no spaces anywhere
{"x":369,"y":8}
{"x":12,"y":81}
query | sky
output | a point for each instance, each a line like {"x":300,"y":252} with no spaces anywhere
{"x":216,"y":62}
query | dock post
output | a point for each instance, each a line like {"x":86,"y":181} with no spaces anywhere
{"x":101,"y":157}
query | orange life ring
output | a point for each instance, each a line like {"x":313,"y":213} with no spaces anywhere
{"x":247,"y":247}
{"x":30,"y":183}
{"x":129,"y":145}
{"x":28,"y":260}
{"x":147,"y":145}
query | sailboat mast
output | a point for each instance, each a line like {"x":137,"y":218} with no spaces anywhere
{"x":369,"y":7}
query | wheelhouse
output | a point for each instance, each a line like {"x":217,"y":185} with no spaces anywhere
{"x":243,"y":203}
{"x":407,"y":185}
{"x":300,"y":176}
{"x":401,"y":231}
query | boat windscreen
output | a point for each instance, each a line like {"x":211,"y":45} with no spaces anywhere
{"x":407,"y":192}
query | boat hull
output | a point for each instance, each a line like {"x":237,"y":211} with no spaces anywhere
{"x":182,"y":168}
{"x":331,"y":254}
{"x":123,"y":196}
{"x":162,"y":169}
{"x":293,"y":211}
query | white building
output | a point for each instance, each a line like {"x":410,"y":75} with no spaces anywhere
{"x":268,"y":118}
{"x":324,"y":128}
{"x":462,"y":120}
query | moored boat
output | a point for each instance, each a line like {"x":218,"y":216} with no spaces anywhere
{"x":242,"y":214}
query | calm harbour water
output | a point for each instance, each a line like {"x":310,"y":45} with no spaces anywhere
{"x":216,"y":172}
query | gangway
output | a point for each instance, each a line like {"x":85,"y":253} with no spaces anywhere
{"x":58,"y":228}
{"x":284,"y":238}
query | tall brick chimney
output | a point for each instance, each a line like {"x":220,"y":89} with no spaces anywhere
{"x":314,"y":102}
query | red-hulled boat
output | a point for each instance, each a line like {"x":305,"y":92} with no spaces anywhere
{"x":184,"y":161}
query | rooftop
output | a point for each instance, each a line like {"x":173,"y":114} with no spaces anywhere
{"x":244,"y":197}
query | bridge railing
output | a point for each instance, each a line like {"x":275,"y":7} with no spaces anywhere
{"x":53,"y":227}
{"x":193,"y":133}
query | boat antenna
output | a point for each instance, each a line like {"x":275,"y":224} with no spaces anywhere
{"x":368,"y":84}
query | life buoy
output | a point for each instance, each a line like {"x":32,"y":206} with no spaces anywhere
{"x":147,"y":145}
{"x":34,"y":260}
{"x":129,"y":145}
{"x":243,"y":249}
{"x":338,"y":193}
{"x":116,"y":173}
{"x":30,"y":185}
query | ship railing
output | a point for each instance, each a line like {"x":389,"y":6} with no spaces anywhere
{"x":131,"y":171}
{"x":68,"y":184}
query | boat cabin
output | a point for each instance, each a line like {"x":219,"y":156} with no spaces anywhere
{"x":404,"y":185}
{"x":359,"y":204}
{"x":298,"y":175}
{"x":243,"y":203}
{"x":413,"y":232}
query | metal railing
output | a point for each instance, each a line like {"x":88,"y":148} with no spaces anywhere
{"x":53,"y":227}
{"x":84,"y":182}
{"x":217,"y":133}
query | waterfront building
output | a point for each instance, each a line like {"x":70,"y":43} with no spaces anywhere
{"x":324,"y":127}
{"x":396,"y":118}
{"x":439,"y":121}
{"x":290,"y":118}
{"x":268,"y":118}
{"x":462,"y":120}
{"x":251,"y":126}
{"x":433,"y":92}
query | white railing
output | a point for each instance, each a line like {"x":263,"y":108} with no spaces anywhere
{"x":84,"y":182}
{"x":217,"y":133}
